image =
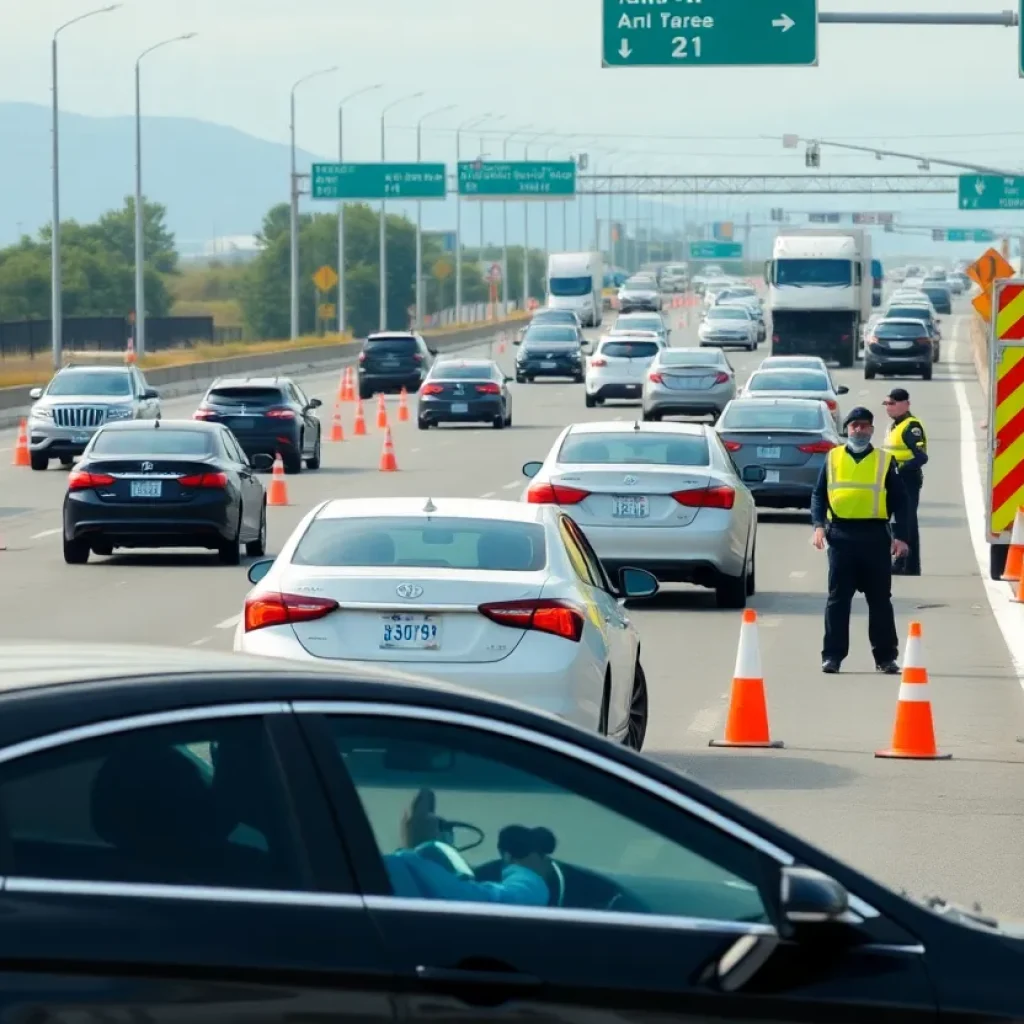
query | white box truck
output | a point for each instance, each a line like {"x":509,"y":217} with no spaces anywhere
{"x":819,"y":292}
{"x":576,"y":282}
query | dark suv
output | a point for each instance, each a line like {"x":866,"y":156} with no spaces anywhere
{"x":267,"y":415}
{"x":393,"y":360}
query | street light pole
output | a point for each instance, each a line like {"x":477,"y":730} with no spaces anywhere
{"x":526,"y":223}
{"x":383,"y":317}
{"x":140,"y":220}
{"x":504,"y":223}
{"x":294,"y":207}
{"x":419,"y":216}
{"x":341,"y":202}
{"x":56,"y":304}
{"x":471,"y":123}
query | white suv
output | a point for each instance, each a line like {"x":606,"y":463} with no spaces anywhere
{"x":618,"y":368}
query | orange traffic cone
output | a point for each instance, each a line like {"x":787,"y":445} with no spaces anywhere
{"x":359,"y":427}
{"x":403,"y":406}
{"x":337,"y":431}
{"x":501,"y":343}
{"x":388,"y":463}
{"x":913,"y":736}
{"x":348,"y":386}
{"x":1015,"y":556}
{"x":21,"y":448}
{"x":342,"y":387}
{"x":382,"y":412}
{"x":747,"y":725}
{"x":129,"y":355}
{"x":277,"y":492}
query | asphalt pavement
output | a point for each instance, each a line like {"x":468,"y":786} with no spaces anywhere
{"x":951,"y":828}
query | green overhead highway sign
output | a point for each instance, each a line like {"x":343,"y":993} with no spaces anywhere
{"x":482,"y":179}
{"x":991,"y":192}
{"x":963,"y":235}
{"x":378,"y":181}
{"x":716,"y":250}
{"x":709,"y":33}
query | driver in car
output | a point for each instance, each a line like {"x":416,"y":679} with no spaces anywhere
{"x":429,"y":867}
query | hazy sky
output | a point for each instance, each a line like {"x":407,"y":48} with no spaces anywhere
{"x":939,"y":91}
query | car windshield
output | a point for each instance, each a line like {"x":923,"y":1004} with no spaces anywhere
{"x":616,"y":449}
{"x":771,"y":416}
{"x":692,"y":357}
{"x":105,"y":383}
{"x":463,"y":371}
{"x":552,"y":332}
{"x":790,"y":363}
{"x":489,"y":545}
{"x":640,"y":323}
{"x":570,"y":287}
{"x":391,"y":346}
{"x":821,"y":273}
{"x":630,"y":349}
{"x":789,"y":380}
{"x":152,"y":441}
{"x":890,"y":330}
{"x":554,"y":316}
{"x":909,"y":312}
{"x":728,"y":313}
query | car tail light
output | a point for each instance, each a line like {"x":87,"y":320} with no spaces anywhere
{"x":83,"y":480}
{"x":280,"y":414}
{"x":560,"y":618}
{"x":203,"y":414}
{"x":488,"y":389}
{"x":215,"y":481}
{"x":816,"y":448}
{"x":432,"y":389}
{"x":362,"y":357}
{"x":832,"y":404}
{"x":417,"y":357}
{"x":733,"y":446}
{"x":598,"y":362}
{"x":284,"y":610}
{"x":722,"y":378}
{"x":656,"y":378}
{"x":844,"y":337}
{"x":775,"y":339}
{"x":707,"y":497}
{"x":555,"y":494}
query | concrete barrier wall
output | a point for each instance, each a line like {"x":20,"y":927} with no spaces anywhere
{"x":194,"y":378}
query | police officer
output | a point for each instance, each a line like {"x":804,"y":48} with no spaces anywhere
{"x":858,"y":490}
{"x":909,"y":446}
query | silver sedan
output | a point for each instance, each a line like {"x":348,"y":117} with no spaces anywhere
{"x":688,"y":382}
{"x":796,"y":384}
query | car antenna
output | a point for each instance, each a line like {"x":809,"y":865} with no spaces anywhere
{"x":636,"y":424}
{"x":430,"y":506}
{"x":156,"y":423}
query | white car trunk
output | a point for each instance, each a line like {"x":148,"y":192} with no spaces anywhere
{"x":441,"y":624}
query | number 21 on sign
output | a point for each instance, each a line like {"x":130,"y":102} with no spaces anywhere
{"x":680,"y":43}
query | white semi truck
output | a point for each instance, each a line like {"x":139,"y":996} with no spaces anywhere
{"x":819,"y":292}
{"x":576,"y":282}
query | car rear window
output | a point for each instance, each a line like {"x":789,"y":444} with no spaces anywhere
{"x":460,"y":371}
{"x":910,"y":312}
{"x":245,"y":396}
{"x":630,"y":349}
{"x":635,"y":449}
{"x":153,"y":441}
{"x":391,"y":346}
{"x":440,"y":543}
{"x":765,"y":416}
{"x":900,"y":330}
{"x":692,"y":357}
{"x":783,"y":380}
{"x":787,"y":364}
{"x":550,"y":332}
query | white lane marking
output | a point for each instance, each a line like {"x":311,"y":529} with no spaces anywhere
{"x":511,"y":486}
{"x":488,"y":494}
{"x":1008,"y":615}
{"x":705,"y":721}
{"x":798,"y":574}
{"x":201,"y":641}
{"x":229,"y":623}
{"x":46,"y":533}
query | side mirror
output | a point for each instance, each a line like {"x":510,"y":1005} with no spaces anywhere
{"x":754,"y":474}
{"x":261,"y":461}
{"x":432,"y":351}
{"x":637,"y":583}
{"x":258,"y":570}
{"x":517,"y":340}
{"x":315,"y":403}
{"x":151,"y":393}
{"x":842,"y":390}
{"x":531,"y":469}
{"x":35,"y":394}
{"x":509,"y":380}
{"x":809,"y":896}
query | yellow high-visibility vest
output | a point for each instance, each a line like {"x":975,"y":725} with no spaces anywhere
{"x":856,"y":489}
{"x":895,"y":444}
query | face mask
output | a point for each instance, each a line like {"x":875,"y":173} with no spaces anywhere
{"x":858,"y":444}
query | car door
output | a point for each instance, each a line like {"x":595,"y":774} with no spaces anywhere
{"x":311,"y":425}
{"x":148,"y":407}
{"x":168,"y":868}
{"x":588,"y":893}
{"x":252,"y":489}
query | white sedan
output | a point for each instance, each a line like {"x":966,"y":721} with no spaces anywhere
{"x":498,"y":596}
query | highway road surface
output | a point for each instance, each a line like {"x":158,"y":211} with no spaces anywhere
{"x":951,"y":828}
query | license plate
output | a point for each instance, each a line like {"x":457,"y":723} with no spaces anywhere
{"x":80,"y":439}
{"x":410,"y":632}
{"x":460,"y":406}
{"x":684,"y":383}
{"x":546,"y":365}
{"x":630,"y":507}
{"x":769,"y":453}
{"x":146,"y":488}
{"x":900,"y":344}
{"x":241,"y":423}
{"x":771,"y":476}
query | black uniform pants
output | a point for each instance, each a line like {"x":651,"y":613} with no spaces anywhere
{"x":861,"y":562}
{"x":911,"y":565}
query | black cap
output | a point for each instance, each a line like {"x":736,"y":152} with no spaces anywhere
{"x":859,"y":413}
{"x":899,"y":395}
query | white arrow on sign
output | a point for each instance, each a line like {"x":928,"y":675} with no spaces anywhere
{"x":785,"y":22}
{"x":624,"y":50}
{"x":979,"y":187}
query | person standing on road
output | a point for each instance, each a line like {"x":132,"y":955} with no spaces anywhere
{"x":858,"y":490}
{"x":909,"y":447}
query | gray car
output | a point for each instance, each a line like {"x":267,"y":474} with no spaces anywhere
{"x":77,"y":402}
{"x":639,"y":294}
{"x":788,"y":438}
{"x":629,"y":322}
{"x":688,"y":382}
{"x":763,"y":385}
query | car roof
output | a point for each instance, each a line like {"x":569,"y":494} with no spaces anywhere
{"x":195,"y":426}
{"x":391,"y":335}
{"x":455,"y":361}
{"x":774,"y":371}
{"x":792,"y":359}
{"x":460,"y":508}
{"x":897,"y":320}
{"x":249,"y":382}
{"x":744,"y":400}
{"x":639,"y":427}
{"x":94,"y":368}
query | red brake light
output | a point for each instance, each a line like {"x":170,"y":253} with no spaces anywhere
{"x":417,"y":357}
{"x":203,"y":414}
{"x":775,"y":339}
{"x":598,"y":362}
{"x":832,"y":404}
{"x":285,"y":609}
{"x":555,"y":494}
{"x":656,"y":378}
{"x":722,"y":378}
{"x":432,"y":389}
{"x":82,"y":480}
{"x":733,"y":446}
{"x":488,"y":389}
{"x":546,"y":616}
{"x":208,"y":480}
{"x":816,"y":448}
{"x":707,"y":497}
{"x":279,"y":414}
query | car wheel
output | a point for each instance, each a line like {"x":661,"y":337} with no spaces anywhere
{"x":731,"y":591}
{"x":938,"y":354}
{"x":422,"y":423}
{"x":230,"y":552}
{"x":636,"y":730}
{"x":103,"y":548}
{"x":577,"y":380}
{"x":520,"y":379}
{"x":651,"y":417}
{"x":869,"y":373}
{"x":591,"y":401}
{"x":314,"y":461}
{"x":293,"y":460}
{"x":927,"y":373}
{"x":258,"y":548}
{"x":606,"y":699}
{"x":365,"y":393}
{"x":508,"y":419}
{"x":752,"y":572}
{"x":76,"y":552}
{"x":39,"y":462}
{"x":67,"y":461}
{"x":498,"y":422}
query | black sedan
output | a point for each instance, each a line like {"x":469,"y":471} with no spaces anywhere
{"x":165,"y":484}
{"x":465,"y":391}
{"x":234,"y":839}
{"x":550,"y":350}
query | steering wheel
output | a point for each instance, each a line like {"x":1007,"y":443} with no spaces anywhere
{"x":447,"y":831}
